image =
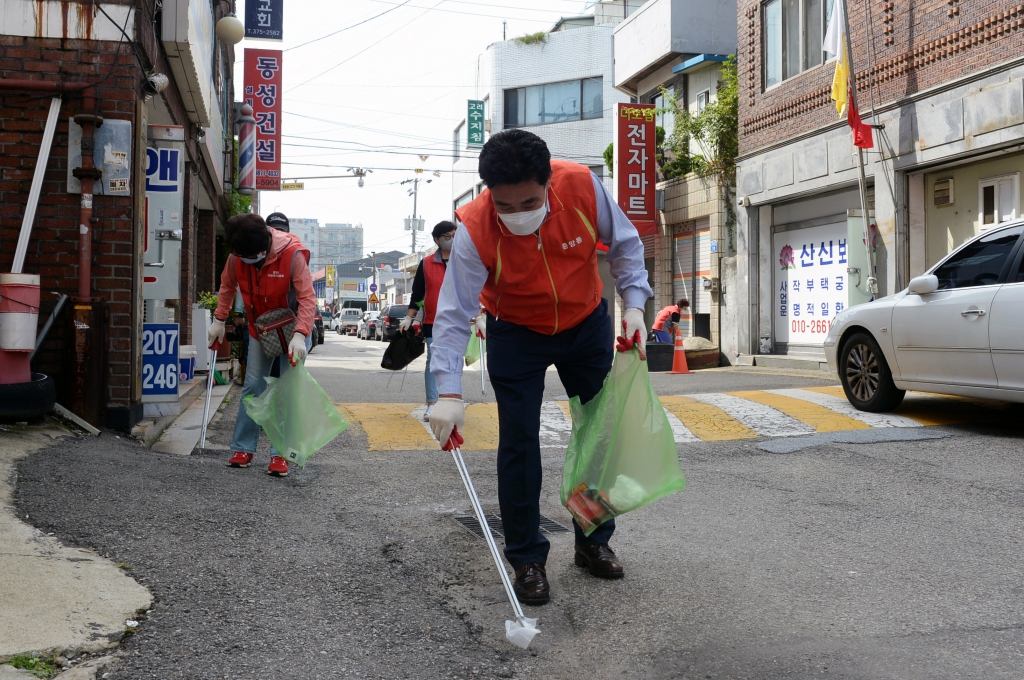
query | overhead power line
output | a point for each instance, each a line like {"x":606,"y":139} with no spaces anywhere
{"x":342,"y":30}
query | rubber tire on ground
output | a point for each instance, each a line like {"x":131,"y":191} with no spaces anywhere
{"x":27,"y":401}
{"x":320,"y":337}
{"x":887,"y":396}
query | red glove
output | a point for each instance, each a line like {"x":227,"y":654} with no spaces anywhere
{"x":416,"y":328}
{"x":455,"y":440}
{"x":216,"y":344}
{"x":626,"y":344}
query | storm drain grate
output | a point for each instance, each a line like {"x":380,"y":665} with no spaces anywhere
{"x":548,"y":526}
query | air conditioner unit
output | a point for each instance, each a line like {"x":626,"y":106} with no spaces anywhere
{"x":943,"y":192}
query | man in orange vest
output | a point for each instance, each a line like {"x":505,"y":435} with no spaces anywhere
{"x":271,"y":268}
{"x":526,"y":250}
{"x":426,"y":285}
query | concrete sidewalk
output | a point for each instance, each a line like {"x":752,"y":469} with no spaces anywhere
{"x":56,"y":599}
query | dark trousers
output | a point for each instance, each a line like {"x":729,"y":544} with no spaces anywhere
{"x":517,"y":359}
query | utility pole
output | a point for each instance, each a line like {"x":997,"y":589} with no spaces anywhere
{"x":415,"y":196}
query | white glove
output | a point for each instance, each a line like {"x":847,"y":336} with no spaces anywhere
{"x":216,"y":332}
{"x":481,"y":325}
{"x":633,"y":321}
{"x":447,"y":414}
{"x":404,"y":324}
{"x":297,"y":348}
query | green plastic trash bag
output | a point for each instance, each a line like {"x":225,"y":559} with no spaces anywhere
{"x":473,"y":348}
{"x":622,"y":452}
{"x":296,"y":414}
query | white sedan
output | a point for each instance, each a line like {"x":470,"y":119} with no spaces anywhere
{"x":958,"y":329}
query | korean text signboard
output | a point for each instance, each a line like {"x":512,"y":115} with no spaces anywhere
{"x":475,"y":123}
{"x":160,"y":362}
{"x":634,"y":165}
{"x":811,"y":283}
{"x":263,"y":87}
{"x":264,"y":19}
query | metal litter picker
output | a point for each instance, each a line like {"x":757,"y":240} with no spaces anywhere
{"x":209,"y":393}
{"x":521,"y":631}
{"x":483,"y":365}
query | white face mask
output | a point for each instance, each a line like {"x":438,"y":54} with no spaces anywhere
{"x":525,"y":223}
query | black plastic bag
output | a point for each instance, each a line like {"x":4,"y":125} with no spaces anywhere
{"x":402,"y":351}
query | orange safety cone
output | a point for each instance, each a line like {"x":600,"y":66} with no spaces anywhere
{"x":679,"y":366}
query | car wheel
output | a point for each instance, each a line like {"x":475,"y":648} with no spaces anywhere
{"x":321,"y":337}
{"x":867,"y":380}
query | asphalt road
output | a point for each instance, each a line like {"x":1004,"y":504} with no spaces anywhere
{"x":845,"y":560}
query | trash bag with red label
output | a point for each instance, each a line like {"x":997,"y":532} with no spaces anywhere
{"x":622,"y":452}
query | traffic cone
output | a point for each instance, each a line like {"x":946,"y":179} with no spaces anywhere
{"x":679,"y":366}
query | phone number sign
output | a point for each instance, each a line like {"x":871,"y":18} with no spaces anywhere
{"x":263,"y":90}
{"x":811,"y":282}
{"x":160,"y":361}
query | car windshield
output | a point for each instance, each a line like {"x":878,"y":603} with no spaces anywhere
{"x":397,"y":310}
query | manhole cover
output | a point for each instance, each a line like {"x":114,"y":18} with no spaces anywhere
{"x":548,"y":526}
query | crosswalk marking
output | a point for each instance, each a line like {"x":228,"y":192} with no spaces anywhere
{"x":821,"y":418}
{"x":706,"y":421}
{"x":700,"y":417}
{"x":764,"y":420}
{"x":843,"y":406}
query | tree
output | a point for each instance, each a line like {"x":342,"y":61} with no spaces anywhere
{"x":708,"y":143}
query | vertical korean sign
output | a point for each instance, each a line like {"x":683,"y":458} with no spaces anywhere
{"x":811,"y":282}
{"x":634,"y":166}
{"x":475,"y":123}
{"x":263,"y":85}
{"x":264,"y":19}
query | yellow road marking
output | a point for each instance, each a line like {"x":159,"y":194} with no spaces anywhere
{"x":820,"y":418}
{"x":708,"y":423}
{"x":481,"y":428}
{"x":389,"y":427}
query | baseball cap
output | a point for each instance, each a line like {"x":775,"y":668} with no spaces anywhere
{"x":277,"y":221}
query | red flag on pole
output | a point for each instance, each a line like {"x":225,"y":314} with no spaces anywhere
{"x":862,"y":133}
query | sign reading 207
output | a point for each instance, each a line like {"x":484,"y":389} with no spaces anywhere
{"x":160,"y":358}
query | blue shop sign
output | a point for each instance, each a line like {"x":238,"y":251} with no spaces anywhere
{"x":160,"y":359}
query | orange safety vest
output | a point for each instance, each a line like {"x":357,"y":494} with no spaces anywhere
{"x":547,"y":282}
{"x":433,"y":276}
{"x":270,"y":286}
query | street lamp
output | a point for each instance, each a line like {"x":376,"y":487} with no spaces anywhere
{"x":230,"y":29}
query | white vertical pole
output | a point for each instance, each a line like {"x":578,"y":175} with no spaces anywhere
{"x":37,"y":186}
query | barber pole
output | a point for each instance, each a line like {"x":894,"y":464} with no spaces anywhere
{"x":246,"y":151}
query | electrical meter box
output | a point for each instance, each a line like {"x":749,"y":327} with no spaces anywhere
{"x":165,"y":193}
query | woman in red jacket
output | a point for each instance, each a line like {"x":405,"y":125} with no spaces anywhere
{"x":271,"y":268}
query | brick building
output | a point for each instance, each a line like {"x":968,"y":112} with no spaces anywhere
{"x":945,"y":79}
{"x":679,"y":46}
{"x":114,"y":49}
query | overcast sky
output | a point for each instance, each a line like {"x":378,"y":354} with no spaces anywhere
{"x":377,"y":95}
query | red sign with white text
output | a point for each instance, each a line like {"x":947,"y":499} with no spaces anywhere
{"x":263,"y":89}
{"x":634,"y":165}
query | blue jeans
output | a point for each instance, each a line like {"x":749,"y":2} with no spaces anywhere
{"x":583,"y":357}
{"x":257,"y":368}
{"x":429,"y":377}
{"x":662,"y":336}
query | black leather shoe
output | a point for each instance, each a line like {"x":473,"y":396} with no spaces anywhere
{"x":599,"y":560}
{"x":531,"y":584}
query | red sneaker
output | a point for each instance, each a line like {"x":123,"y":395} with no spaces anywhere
{"x":278,"y":467}
{"x":240,"y":459}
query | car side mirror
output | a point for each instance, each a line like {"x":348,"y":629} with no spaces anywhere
{"x":922,"y":285}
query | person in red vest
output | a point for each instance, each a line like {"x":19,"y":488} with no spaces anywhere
{"x":669,"y":315}
{"x":423,"y":302}
{"x":271,"y":268}
{"x":526,"y":249}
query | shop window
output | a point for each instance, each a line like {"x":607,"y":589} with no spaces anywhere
{"x":998,"y":199}
{"x":457,"y":141}
{"x":793,"y":33}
